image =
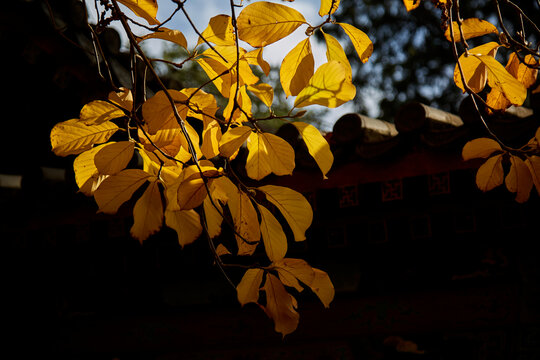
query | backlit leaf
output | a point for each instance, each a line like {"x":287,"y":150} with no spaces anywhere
{"x":233,"y":139}
{"x":317,"y":146}
{"x":174,"y":36}
{"x":280,"y":306}
{"x":84,"y":167}
{"x":474,"y":70}
{"x":329,"y":87}
{"x":411,"y":4}
{"x":117,"y":189}
{"x":523,"y":73}
{"x":471,"y":28}
{"x":289,"y":270}
{"x":268,"y":153}
{"x":519,"y":179}
{"x":328,"y":7}
{"x":73,"y":136}
{"x":114,"y":157}
{"x":219,"y":31}
{"x":361,"y":42}
{"x":243,"y":106}
{"x":480,"y":148}
{"x":293,"y":206}
{"x":158,"y":112}
{"x":533,"y":163}
{"x":255,"y":58}
{"x":297,"y":68}
{"x":264,"y":92}
{"x":274,"y":239}
{"x":148,"y":213}
{"x":490,"y":174}
{"x":98,"y":111}
{"x":501,"y":80}
{"x":122,"y":98}
{"x":322,"y":286}
{"x":248,"y":288}
{"x":186,"y":223}
{"x":334,"y":51}
{"x":263,"y":23}
{"x":147,"y":9}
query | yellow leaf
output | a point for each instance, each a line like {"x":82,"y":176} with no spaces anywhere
{"x":114,"y":157}
{"x":190,"y":189}
{"x":222,"y":250}
{"x":147,"y":213}
{"x":122,"y":98}
{"x":280,"y":306}
{"x":84,"y":167}
{"x":474,"y":70}
{"x":73,"y":137}
{"x":248,"y":288}
{"x":92,"y":184}
{"x":317,"y":146}
{"x":211,"y":137}
{"x":202,"y":106}
{"x":361,"y":42}
{"x":175,"y":36}
{"x":274,"y":239}
{"x":220,"y":31}
{"x":264,"y":92}
{"x":263,"y":23}
{"x":168,"y":141}
{"x":480,"y":148}
{"x":246,"y":223}
{"x":212,"y":204}
{"x":243,"y":108}
{"x":233,"y":139}
{"x":471,"y":28}
{"x":490,"y":174}
{"x":186,"y":223}
{"x":117,"y":189}
{"x":297,"y":68}
{"x":533,"y":163}
{"x":158,"y":112}
{"x":411,"y":4}
{"x":218,"y":73}
{"x":322,"y":286}
{"x":524,"y":74}
{"x":328,"y":7}
{"x":147,"y":9}
{"x":328,"y":87}
{"x":293,"y":206}
{"x":519,"y":179}
{"x":289,"y":270}
{"x":334,"y":51}
{"x":255,"y":58}
{"x":501,"y":80}
{"x":97,"y":112}
{"x":268,"y":153}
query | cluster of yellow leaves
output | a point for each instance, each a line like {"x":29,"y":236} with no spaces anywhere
{"x":523,"y":173}
{"x":149,"y":152}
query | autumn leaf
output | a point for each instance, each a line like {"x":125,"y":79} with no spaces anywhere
{"x":232,"y":140}
{"x":490,"y":174}
{"x":248,"y":288}
{"x":158,"y":112}
{"x":293,"y":206}
{"x":274,"y":239}
{"x":480,"y":148}
{"x":255,"y":57}
{"x":297,"y":68}
{"x":361,"y":42}
{"x":474,"y":70}
{"x":317,"y":146}
{"x":114,"y":157}
{"x":328,"y":7}
{"x":148,"y":212}
{"x":264,"y":92}
{"x":411,"y":4}
{"x":242,"y":110}
{"x":280,"y":306}
{"x":519,"y":179}
{"x":322,"y":286}
{"x":147,"y":9}
{"x":122,"y":98}
{"x":174,"y":36}
{"x":471,"y":28}
{"x":329,"y":87}
{"x":73,"y":136}
{"x":190,"y":189}
{"x":500,"y":79}
{"x":334,"y":51}
{"x":98,"y":111}
{"x":263,"y":23}
{"x":268,"y":153}
{"x":533,"y":163}
{"x":220,"y":31}
{"x":117,"y":189}
{"x":85,"y":169}
{"x":186,"y":223}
